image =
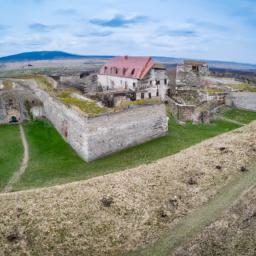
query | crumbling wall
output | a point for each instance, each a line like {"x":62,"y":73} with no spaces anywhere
{"x":201,"y":113}
{"x":242,"y":100}
{"x":186,"y":75}
{"x":37,"y":111}
{"x":11,"y":107}
{"x":95,"y":137}
{"x":181,"y":112}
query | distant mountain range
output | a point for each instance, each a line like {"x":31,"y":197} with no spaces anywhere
{"x":55,"y":55}
{"x":45,"y":55}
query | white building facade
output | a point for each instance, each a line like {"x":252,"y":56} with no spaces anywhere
{"x":140,"y":75}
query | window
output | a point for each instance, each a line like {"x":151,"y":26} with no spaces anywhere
{"x":133,"y":71}
{"x":165,"y":81}
{"x":116,"y":70}
{"x":142,"y":95}
{"x":134,"y":85}
{"x":149,"y":95}
{"x":150,"y":82}
{"x":195,"y":68}
{"x":157,"y":82}
{"x":157,"y":93}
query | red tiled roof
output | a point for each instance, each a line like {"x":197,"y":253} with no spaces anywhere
{"x":126,"y":66}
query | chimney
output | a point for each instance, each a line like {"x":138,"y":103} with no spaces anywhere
{"x":126,"y":57}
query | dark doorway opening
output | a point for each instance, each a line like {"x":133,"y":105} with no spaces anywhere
{"x":13,"y":119}
{"x":195,"y":68}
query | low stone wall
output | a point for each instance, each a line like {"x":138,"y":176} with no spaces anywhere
{"x":242,"y":100}
{"x":95,"y":137}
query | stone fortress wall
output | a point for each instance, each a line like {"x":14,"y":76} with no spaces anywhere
{"x":242,"y":100}
{"x":95,"y":137}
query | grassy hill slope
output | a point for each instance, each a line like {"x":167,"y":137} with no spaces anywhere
{"x":115,"y":213}
{"x":11,"y":152}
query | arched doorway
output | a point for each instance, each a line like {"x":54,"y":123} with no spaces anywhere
{"x":13,"y":119}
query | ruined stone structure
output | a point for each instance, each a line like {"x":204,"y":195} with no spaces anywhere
{"x":13,"y":107}
{"x":242,"y":100}
{"x":85,"y":81}
{"x":95,"y":137}
{"x":181,"y":112}
{"x":112,"y":98}
{"x":10,"y":108}
{"x":190,"y":73}
{"x":140,"y":75}
{"x":191,"y":100}
{"x":190,"y":105}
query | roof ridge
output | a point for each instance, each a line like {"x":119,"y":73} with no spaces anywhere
{"x":143,"y":70}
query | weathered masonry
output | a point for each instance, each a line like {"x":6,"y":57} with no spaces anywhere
{"x":12,"y":105}
{"x":242,"y":100}
{"x":190,"y":73}
{"x":95,"y":137}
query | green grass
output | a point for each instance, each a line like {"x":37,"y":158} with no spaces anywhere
{"x":11,"y":152}
{"x":213,"y":90}
{"x":125,"y":104}
{"x":65,"y":96}
{"x":242,"y":116}
{"x":89,"y":107}
{"x":52,"y":161}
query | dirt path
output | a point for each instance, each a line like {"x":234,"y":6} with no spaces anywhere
{"x":230,"y":120}
{"x":194,"y":222}
{"x":16,"y":176}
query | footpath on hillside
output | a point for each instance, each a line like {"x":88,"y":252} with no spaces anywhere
{"x":230,"y":120}
{"x":17,"y":175}
{"x":194,"y":222}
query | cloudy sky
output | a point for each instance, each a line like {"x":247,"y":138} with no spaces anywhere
{"x":204,"y":29}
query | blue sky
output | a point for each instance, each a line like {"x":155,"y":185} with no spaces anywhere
{"x":204,"y":29}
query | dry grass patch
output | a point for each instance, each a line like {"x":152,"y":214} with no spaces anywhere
{"x":233,"y":234}
{"x":244,"y":87}
{"x":8,"y":85}
{"x":90,"y":107}
{"x":149,"y":101}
